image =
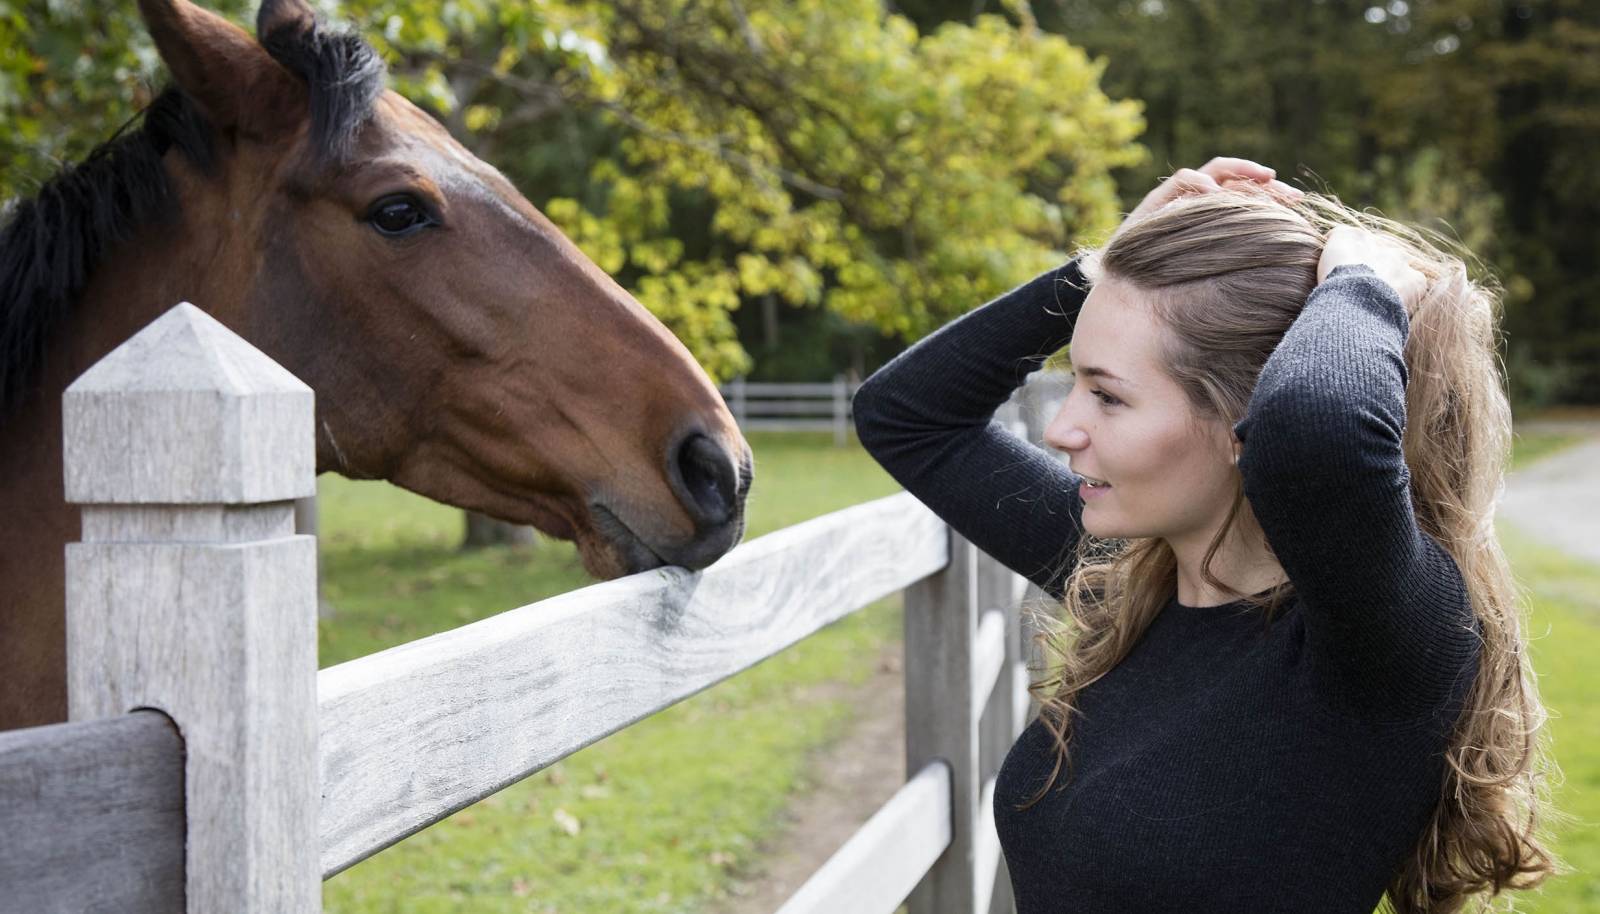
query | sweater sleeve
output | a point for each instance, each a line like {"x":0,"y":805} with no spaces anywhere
{"x":1389,"y":625}
{"x":928,"y":418}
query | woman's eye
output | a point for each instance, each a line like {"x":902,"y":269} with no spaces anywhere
{"x":399,"y":216}
{"x":1106,"y":398}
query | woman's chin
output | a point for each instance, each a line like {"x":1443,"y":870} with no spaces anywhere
{"x":1102,"y":527}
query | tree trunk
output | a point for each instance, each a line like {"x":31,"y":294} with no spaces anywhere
{"x":486,"y":531}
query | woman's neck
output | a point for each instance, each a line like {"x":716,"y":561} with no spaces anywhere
{"x":1243,"y":562}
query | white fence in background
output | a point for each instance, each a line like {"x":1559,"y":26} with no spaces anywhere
{"x":209,"y":766}
{"x":792,"y":407}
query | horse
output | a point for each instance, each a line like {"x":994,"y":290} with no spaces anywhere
{"x":458,"y":344}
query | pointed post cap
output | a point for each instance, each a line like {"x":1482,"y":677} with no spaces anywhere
{"x":186,"y":412}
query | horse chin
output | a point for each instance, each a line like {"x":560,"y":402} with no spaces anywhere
{"x":611,"y":549}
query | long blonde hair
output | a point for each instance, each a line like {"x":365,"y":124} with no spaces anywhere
{"x":1227,"y":272}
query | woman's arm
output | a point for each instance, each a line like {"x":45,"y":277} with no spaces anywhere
{"x":926,"y":416}
{"x":1388,"y":623}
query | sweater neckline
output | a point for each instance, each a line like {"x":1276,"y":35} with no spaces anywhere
{"x":1215,"y":606}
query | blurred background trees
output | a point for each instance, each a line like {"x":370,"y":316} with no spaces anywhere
{"x":801,"y":188}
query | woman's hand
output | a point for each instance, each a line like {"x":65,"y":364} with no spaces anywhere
{"x":1347,"y":244}
{"x":1212,"y":176}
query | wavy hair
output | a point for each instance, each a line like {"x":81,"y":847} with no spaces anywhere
{"x":1227,"y":272}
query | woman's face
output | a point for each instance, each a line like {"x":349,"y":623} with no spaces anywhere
{"x":1129,"y":424}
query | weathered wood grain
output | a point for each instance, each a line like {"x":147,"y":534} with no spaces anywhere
{"x":92,"y":817}
{"x":988,"y":660}
{"x":878,"y":866}
{"x":191,"y":594}
{"x":414,"y":733}
{"x":941,"y":722}
{"x":187,"y":412}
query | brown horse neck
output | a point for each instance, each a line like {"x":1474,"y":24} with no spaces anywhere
{"x":128,"y":289}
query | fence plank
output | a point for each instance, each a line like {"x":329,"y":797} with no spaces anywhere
{"x":816,"y":406}
{"x":988,"y":658}
{"x":940,"y":624}
{"x":1038,"y":402}
{"x":787,"y":425}
{"x":191,"y":593}
{"x":93,"y":817}
{"x":875,"y":870}
{"x":988,"y":862}
{"x":414,"y":733}
{"x":841,"y":411}
{"x":784,"y":389}
{"x":999,"y":593}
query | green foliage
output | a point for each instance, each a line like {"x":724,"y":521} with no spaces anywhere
{"x":819,"y":151}
{"x":71,"y":73}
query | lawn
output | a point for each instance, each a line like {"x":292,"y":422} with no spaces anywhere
{"x":1564,"y":643}
{"x":660,"y":817}
{"x":1528,"y":447}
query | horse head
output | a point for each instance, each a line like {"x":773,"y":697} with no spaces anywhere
{"x":458,"y":343}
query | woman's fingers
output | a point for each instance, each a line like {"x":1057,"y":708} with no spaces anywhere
{"x":1215,"y":175}
{"x":1348,"y":244}
{"x":1188,"y":180}
{"x":1283,"y":189}
{"x":1183,"y":181}
{"x":1223,"y":166}
{"x":1225,"y":169}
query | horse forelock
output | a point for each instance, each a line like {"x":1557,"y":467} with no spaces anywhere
{"x":344,"y":76}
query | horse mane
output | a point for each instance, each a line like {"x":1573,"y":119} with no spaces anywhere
{"x":50,"y":243}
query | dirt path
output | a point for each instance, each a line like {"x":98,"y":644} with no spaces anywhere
{"x":852,"y":778}
{"x":1557,"y":499}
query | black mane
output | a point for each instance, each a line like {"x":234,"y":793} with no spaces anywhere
{"x":50,"y":243}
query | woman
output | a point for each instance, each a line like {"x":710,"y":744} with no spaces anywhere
{"x":1291,"y":675}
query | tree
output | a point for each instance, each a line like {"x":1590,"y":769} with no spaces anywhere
{"x":820,"y":151}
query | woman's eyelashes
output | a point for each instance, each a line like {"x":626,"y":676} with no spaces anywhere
{"x":1105,"y":398}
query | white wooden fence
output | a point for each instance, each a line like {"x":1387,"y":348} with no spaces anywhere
{"x":791,"y":407}
{"x":208,"y":765}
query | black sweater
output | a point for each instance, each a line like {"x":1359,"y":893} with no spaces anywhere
{"x":1223,"y":765}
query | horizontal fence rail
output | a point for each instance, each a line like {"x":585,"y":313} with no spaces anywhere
{"x":414,"y":733}
{"x":792,"y":407}
{"x":91,"y":816}
{"x":885,"y":859}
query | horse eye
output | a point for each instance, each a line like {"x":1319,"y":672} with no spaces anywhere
{"x":398,"y":216}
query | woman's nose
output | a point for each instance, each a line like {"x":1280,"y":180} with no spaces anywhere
{"x":1064,"y":432}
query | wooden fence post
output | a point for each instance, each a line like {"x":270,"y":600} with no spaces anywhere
{"x":1038,"y":402}
{"x":1000,"y":590}
{"x":841,"y":411}
{"x":736,"y":401}
{"x":191,"y":594}
{"x":941,"y":720}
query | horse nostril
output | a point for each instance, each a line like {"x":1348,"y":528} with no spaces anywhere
{"x":706,"y":480}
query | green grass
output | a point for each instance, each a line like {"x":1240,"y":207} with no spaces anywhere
{"x":1564,"y":644}
{"x":1529,"y":447}
{"x":656,"y":818}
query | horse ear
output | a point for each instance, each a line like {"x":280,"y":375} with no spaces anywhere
{"x":291,"y":17}
{"x":219,"y":65}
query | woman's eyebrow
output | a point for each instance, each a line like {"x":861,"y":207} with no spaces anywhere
{"x":1095,"y":371}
